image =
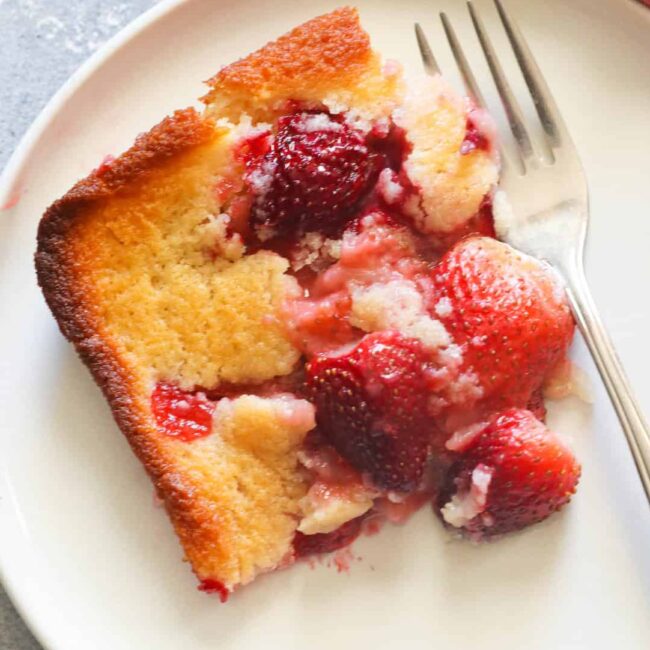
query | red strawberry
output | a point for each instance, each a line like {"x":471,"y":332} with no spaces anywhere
{"x":312,"y":178}
{"x":181,"y":414}
{"x":371,"y":404}
{"x":513,"y":472}
{"x":304,"y":545}
{"x":508,"y":315}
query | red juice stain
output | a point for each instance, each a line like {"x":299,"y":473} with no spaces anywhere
{"x":212,"y":586}
{"x":12,"y":201}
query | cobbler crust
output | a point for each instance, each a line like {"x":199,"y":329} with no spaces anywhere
{"x":321,"y":50}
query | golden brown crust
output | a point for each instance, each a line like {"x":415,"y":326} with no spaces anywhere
{"x":55,"y":267}
{"x":175,"y":134}
{"x":321,"y":49}
{"x":327,"y":62}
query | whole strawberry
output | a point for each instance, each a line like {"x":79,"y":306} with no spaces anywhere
{"x":313,"y":176}
{"x":508,"y":316}
{"x":371,"y":404}
{"x":512,"y":472}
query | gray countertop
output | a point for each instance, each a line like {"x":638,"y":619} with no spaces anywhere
{"x":43,"y":42}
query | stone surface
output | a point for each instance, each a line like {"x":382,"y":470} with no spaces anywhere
{"x":43,"y":42}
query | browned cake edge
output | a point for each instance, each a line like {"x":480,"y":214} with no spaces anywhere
{"x":328,"y":47}
{"x":55,"y":269}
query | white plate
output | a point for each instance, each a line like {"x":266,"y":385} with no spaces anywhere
{"x":89,"y":560}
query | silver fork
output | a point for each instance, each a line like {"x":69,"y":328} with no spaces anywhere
{"x":542,"y":208}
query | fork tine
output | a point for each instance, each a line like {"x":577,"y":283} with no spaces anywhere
{"x":469,"y":80}
{"x":461,"y":61}
{"x":513,"y":111}
{"x":545,"y":105}
{"x":430,"y":64}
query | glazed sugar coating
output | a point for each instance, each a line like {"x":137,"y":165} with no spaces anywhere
{"x":507,"y":312}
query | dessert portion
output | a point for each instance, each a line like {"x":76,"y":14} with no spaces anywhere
{"x":296,"y":307}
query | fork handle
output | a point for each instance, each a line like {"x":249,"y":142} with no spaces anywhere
{"x":611,"y":371}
